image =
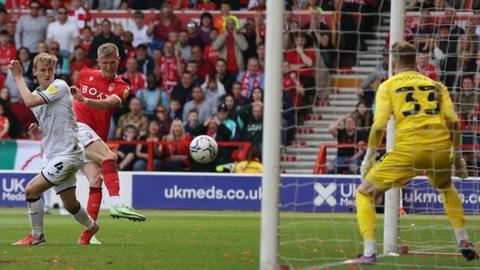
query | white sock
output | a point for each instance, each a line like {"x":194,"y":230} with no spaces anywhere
{"x":83,"y":218}
{"x":35,"y":214}
{"x":369,"y":248}
{"x":46,"y":197}
{"x":460,"y":234}
{"x":116,"y":201}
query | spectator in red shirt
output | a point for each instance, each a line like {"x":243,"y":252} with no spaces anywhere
{"x":86,"y":38}
{"x":130,"y":50}
{"x":205,"y":66}
{"x":7,"y":51}
{"x":79,"y":60}
{"x":136,"y":79}
{"x":166,"y":22}
{"x":206,"y":5}
{"x":210,"y":53}
{"x":169,"y":67}
{"x":424,"y":67}
{"x":178,"y":148}
{"x":292,"y":84}
{"x":230,"y":46}
{"x":302,"y":60}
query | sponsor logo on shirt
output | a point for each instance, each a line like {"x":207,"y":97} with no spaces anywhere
{"x":93,"y":92}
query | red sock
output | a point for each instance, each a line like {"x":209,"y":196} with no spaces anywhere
{"x":94,"y":201}
{"x":110,"y":176}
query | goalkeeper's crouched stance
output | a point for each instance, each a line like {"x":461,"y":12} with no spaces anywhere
{"x":427,"y":140}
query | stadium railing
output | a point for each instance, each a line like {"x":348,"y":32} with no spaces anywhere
{"x":240,"y":152}
{"x":321,"y":160}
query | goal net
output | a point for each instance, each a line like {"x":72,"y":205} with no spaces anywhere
{"x":318,"y":227}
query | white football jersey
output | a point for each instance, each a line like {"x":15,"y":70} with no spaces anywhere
{"x":57,"y":121}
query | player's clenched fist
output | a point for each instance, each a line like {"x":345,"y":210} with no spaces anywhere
{"x":16,"y":68}
{"x":367,"y":163}
{"x":77,"y":94}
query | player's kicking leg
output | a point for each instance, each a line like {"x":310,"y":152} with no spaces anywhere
{"x":95,"y":180}
{"x":103,"y":156}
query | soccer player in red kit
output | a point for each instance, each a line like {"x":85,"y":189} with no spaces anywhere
{"x":98,"y":94}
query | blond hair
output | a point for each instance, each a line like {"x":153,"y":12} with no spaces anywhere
{"x":404,"y":54}
{"x":107,"y":50}
{"x":45,"y":58}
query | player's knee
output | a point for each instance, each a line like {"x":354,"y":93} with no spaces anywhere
{"x":71,"y":206}
{"x":30,"y":194}
{"x":109,"y":156}
{"x":443,"y":185}
{"x":366,"y":189}
{"x":96,"y":180}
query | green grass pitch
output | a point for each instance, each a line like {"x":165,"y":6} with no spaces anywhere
{"x":220,"y":240}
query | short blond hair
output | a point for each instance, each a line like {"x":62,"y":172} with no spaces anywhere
{"x":404,"y":53}
{"x":107,"y":50}
{"x":45,"y":58}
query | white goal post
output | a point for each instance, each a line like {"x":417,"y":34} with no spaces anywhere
{"x":271,"y":136}
{"x":392,"y":196}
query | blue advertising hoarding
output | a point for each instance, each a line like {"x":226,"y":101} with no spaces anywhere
{"x":12,"y":188}
{"x":319,"y":193}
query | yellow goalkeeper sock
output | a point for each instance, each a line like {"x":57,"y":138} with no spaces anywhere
{"x":454,"y":210}
{"x":366,"y":216}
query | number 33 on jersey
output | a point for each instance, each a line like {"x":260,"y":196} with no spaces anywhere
{"x":415,"y":101}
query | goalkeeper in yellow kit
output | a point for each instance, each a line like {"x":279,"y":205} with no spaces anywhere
{"x":427,"y":140}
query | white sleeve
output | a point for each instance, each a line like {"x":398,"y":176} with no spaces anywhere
{"x":55,"y":91}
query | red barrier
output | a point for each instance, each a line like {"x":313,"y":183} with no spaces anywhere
{"x":237,"y":155}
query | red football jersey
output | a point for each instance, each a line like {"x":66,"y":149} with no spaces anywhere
{"x":94,"y":86}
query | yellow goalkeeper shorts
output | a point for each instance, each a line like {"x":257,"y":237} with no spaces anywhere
{"x":397,"y":167}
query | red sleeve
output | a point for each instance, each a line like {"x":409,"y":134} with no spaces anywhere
{"x":122,"y":90}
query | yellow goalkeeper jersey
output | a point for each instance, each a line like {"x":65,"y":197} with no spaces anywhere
{"x":420,"y":106}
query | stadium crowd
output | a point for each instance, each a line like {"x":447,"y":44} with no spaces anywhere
{"x":206,"y":76}
{"x":448,"y":52}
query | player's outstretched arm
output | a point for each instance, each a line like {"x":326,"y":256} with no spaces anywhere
{"x":383,"y":111}
{"x":111,"y":102}
{"x":30,"y":99}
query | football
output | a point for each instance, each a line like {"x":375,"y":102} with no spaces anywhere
{"x":203,"y":149}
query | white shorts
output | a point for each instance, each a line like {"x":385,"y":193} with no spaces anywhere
{"x":87,"y":136}
{"x":60,"y":171}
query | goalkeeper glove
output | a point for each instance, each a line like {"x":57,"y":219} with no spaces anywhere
{"x":367,"y":163}
{"x":460,"y":165}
